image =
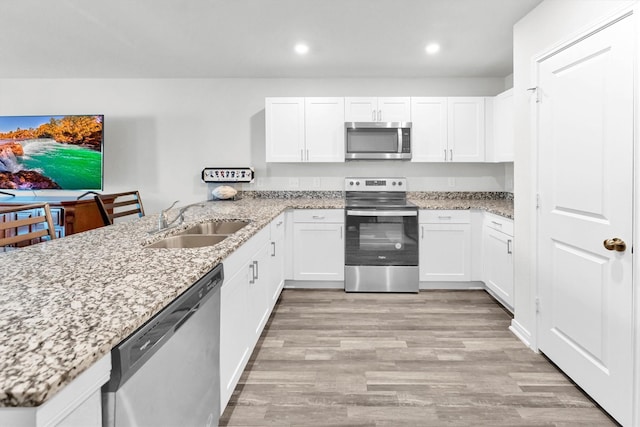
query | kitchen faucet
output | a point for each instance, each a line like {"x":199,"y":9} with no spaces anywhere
{"x":163,"y":223}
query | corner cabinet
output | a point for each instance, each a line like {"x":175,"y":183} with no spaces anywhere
{"x":304,"y":130}
{"x":378,"y":109}
{"x":448,"y":129}
{"x":497,"y":258}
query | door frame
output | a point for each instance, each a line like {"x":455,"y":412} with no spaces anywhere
{"x":630,"y":12}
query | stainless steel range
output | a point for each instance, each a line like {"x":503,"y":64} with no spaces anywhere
{"x":381,"y":245}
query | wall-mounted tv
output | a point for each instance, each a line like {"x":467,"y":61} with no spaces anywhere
{"x":51,"y":152}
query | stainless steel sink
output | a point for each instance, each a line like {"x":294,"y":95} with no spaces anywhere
{"x":215,"y":227}
{"x":188,"y":241}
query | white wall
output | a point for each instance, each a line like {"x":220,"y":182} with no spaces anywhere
{"x":551,"y":23}
{"x":160,"y":133}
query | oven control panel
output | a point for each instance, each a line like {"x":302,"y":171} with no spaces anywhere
{"x":375,"y":184}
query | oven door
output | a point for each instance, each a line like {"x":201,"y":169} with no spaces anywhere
{"x":377,"y":237}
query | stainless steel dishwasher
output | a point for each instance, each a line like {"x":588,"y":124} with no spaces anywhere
{"x":167,"y":372}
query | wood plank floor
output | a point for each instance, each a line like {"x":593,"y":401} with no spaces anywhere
{"x":439,"y":358}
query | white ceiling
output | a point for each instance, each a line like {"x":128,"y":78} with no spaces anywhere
{"x":255,"y":38}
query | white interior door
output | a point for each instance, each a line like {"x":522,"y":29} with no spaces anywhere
{"x":585,"y":143}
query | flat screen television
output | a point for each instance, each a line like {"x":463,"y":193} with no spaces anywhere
{"x":51,"y":152}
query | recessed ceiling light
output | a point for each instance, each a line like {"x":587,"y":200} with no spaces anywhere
{"x":432,"y":48}
{"x":301,"y":48}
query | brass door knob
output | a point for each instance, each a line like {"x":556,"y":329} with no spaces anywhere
{"x":615,"y":244}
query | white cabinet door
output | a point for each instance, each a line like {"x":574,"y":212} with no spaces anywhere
{"x":361,"y":109}
{"x":465,"y":123}
{"x":500,"y":136}
{"x":498,"y":264}
{"x":277,"y":259}
{"x":259,"y":292}
{"x":429,"y":131}
{"x":234,"y":331}
{"x":445,"y":252}
{"x":284,"y":127}
{"x":373,"y":109}
{"x":324,"y":129}
{"x":318,"y":251}
{"x":394,"y":109}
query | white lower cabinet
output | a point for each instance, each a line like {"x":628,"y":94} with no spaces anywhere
{"x":445,"y":245}
{"x":244,"y":308}
{"x":234,"y":332}
{"x":277,"y":259}
{"x":318,"y":244}
{"x":497,"y":257}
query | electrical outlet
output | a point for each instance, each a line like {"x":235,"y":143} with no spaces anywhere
{"x":317,"y":182}
{"x":294,"y":182}
{"x":452,"y":182}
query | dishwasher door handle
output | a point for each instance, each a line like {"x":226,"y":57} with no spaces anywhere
{"x":186,"y":317}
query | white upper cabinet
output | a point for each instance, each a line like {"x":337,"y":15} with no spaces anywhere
{"x":373,"y":109}
{"x":448,"y":129}
{"x":284,"y":120}
{"x":429,"y":129}
{"x":465,"y":125}
{"x":500,"y":127}
{"x":324,"y":129}
{"x":304,"y":129}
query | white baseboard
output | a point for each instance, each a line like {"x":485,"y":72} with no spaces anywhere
{"x":451,"y":285}
{"x":314,"y":284}
{"x":522,"y":334}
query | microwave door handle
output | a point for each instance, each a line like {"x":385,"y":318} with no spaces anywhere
{"x":399,"y":140}
{"x":382,"y":213}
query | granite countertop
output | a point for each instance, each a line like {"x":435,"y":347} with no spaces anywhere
{"x":68,"y":302}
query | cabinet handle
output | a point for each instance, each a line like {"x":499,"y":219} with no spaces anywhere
{"x":499,"y":224}
{"x":318,"y":217}
{"x":373,"y":115}
{"x":445,"y":154}
{"x":256,"y":270}
{"x":444,"y":217}
{"x":307,"y":154}
{"x":379,"y":115}
{"x":422,"y":231}
{"x":340,"y":232}
{"x":509,"y":251}
{"x":279,"y":223}
{"x":451,"y":155}
{"x":301,"y":155}
{"x":273,"y":247}
{"x":253,"y":273}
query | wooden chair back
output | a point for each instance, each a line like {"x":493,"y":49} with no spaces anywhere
{"x":23,"y":225}
{"x":118,"y":205}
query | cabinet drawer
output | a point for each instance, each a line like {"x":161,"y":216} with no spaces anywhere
{"x":318,"y":215}
{"x":499,"y":223}
{"x":445,"y":216}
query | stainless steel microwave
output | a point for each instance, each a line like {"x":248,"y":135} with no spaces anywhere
{"x":377,"y":140}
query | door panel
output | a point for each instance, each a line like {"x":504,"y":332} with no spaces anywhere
{"x":585,"y":143}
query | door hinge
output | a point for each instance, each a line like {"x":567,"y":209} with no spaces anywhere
{"x":537,"y":305}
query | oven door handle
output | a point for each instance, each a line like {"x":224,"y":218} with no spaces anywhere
{"x":382,"y":213}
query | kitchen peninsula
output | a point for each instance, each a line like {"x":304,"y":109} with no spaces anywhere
{"x":68,"y":302}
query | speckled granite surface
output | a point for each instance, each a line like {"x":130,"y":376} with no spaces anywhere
{"x":67,"y":302}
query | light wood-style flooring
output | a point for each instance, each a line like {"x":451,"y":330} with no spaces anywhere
{"x":438,"y":358}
